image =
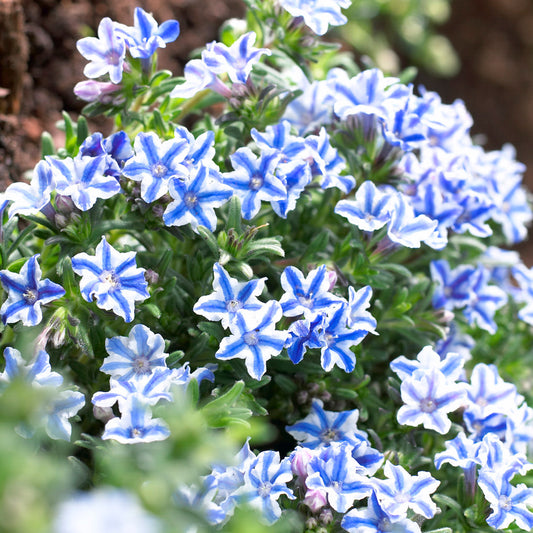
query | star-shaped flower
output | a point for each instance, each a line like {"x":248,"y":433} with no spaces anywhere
{"x":195,"y":200}
{"x":308,"y":295}
{"x":253,"y":180}
{"x":106,"y":53}
{"x":38,"y":372}
{"x":140,"y":353}
{"x":320,"y":428}
{"x":112,"y":278}
{"x":146,"y":36}
{"x":229,"y":296}
{"x":254,"y":338}
{"x":318,"y":15}
{"x":401,"y":491}
{"x":26,"y":293}
{"x":84,"y":179}
{"x":236,"y":60}
{"x":155,"y":162}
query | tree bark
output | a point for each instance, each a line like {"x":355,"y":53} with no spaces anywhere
{"x":13,"y":56}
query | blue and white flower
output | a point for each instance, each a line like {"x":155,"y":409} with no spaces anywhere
{"x":155,"y":162}
{"x":195,"y":200}
{"x":254,"y":338}
{"x":318,"y":15}
{"x":140,"y":353}
{"x":84,"y":179}
{"x":112,"y":278}
{"x":229,"y":297}
{"x":26,"y":292}
{"x":105,"y":53}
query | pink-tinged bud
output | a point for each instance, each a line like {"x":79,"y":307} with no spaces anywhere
{"x":103,"y":413}
{"x":332,"y":276}
{"x":92,"y":90}
{"x":326,"y":517}
{"x":315,"y":499}
{"x":299,"y":460}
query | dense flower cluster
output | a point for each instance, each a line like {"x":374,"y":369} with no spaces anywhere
{"x":270,"y":261}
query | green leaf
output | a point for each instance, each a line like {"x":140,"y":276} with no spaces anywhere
{"x":210,"y":240}
{"x":153,"y":310}
{"x":286,"y":384}
{"x":234,"y":214}
{"x":318,"y":244}
{"x":47,"y":145}
{"x":82,"y":130}
{"x":263,"y":247}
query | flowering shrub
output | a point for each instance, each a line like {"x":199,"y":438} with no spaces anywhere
{"x":273,"y":254}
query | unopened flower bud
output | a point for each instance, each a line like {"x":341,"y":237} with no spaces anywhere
{"x":92,"y":90}
{"x":158,"y":210}
{"x":151,"y":276}
{"x":332,"y":276}
{"x":315,"y":499}
{"x":103,"y":413}
{"x":326,"y":517}
{"x":299,"y":460}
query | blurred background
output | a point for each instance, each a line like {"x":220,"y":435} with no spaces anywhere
{"x":480,"y":51}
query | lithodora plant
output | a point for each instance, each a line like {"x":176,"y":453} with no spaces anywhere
{"x":277,"y":297}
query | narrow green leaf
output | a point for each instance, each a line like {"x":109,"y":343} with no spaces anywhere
{"x":210,"y":239}
{"x":82,"y":130}
{"x":47,"y":145}
{"x":234,"y":214}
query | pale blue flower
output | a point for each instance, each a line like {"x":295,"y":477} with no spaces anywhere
{"x":236,"y":60}
{"x":253,"y":180}
{"x":106,"y":53}
{"x":104,"y":509}
{"x":198,"y":77}
{"x":460,"y":451}
{"x":427,"y":359}
{"x":369,"y":93}
{"x":26,"y":292}
{"x":328,"y":163}
{"x":401,"y":491}
{"x":64,"y":406}
{"x":374,"y":519}
{"x":306,"y":295}
{"x":136,"y":424}
{"x":155,"y":162}
{"x":195,"y":199}
{"x":229,"y":296}
{"x":84,"y":179}
{"x":37,"y":372}
{"x":508,"y":503}
{"x":265,"y":481}
{"x":453,"y":286}
{"x":484,"y":301}
{"x":278,"y":137}
{"x":146,"y":36}
{"x":140,"y":353}
{"x":338,"y":340}
{"x":405,"y":227}
{"x":428,"y":398}
{"x":320,"y":428}
{"x":337,"y":474}
{"x":112,"y":278}
{"x":358,"y":316}
{"x":369,"y":211}
{"x":318,"y":14}
{"x":489,"y":394}
{"x":201,"y":148}
{"x":147,"y":388}
{"x":254,"y":338}
{"x":29,"y":199}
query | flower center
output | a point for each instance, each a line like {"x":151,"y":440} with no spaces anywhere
{"x":113,"y":58}
{"x":505,"y":503}
{"x":251,"y":338}
{"x":190,"y":199}
{"x":141,"y":365}
{"x":159,"y":170}
{"x":30,"y":296}
{"x":256,"y":183}
{"x":110,"y":278}
{"x":384,"y":524}
{"x":136,"y":432}
{"x":265,"y":489}
{"x":336,"y":486}
{"x":329,"y":435}
{"x":427,"y":405}
{"x":233,"y":306}
{"x":306,"y":301}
